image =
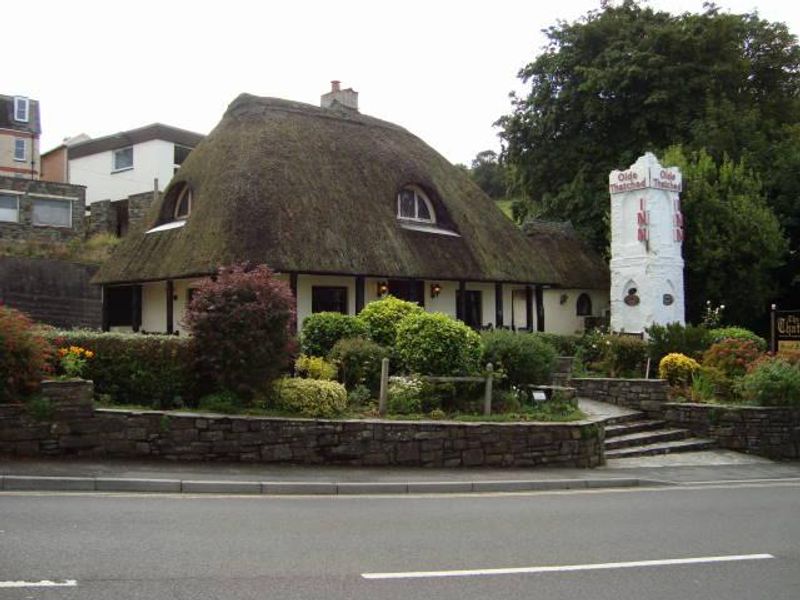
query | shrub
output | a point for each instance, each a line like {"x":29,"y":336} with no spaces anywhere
{"x":405,"y":395}
{"x":241,"y":324}
{"x":322,"y":330}
{"x":72,"y":360}
{"x":676,"y":338}
{"x":732,"y":356}
{"x":525,"y":358}
{"x":382,"y":317}
{"x":721,"y":385}
{"x":359,"y":362}
{"x":315,"y":367}
{"x":310,"y":397}
{"x":772,"y":383}
{"x":359,"y":396}
{"x":736,"y":333}
{"x":624,"y":355}
{"x":565,"y":345}
{"x":435,"y":344}
{"x":147,"y":370}
{"x":24,"y":356}
{"x":590,"y":348}
{"x":225,"y":402}
{"x":677,"y":369}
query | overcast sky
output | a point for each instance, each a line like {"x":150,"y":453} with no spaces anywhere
{"x":442,"y":69}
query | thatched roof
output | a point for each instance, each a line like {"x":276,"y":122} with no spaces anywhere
{"x":312,"y":190}
{"x":578,"y":265}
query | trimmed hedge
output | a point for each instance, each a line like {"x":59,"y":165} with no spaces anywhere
{"x":322,"y":330}
{"x":436,"y":344}
{"x":148,"y":370}
{"x":383,"y":316}
{"x":310,"y":397}
{"x":525,"y":358}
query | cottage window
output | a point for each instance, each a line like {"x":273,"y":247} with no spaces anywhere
{"x":55,"y":213}
{"x":414,"y":205}
{"x":179,"y":155}
{"x":328,"y":299}
{"x":183,"y":205}
{"x":20,"y":149}
{"x":21,"y":109}
{"x":9,"y":209}
{"x":123,"y":159}
{"x":584,"y":306}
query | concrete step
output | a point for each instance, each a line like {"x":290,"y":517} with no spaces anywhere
{"x":646,"y":438}
{"x":687,"y":445}
{"x":633,"y":416}
{"x":620,"y":429}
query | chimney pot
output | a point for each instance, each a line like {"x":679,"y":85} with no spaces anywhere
{"x":335,"y":85}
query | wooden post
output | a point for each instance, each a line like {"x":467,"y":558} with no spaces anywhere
{"x":498,"y":304}
{"x":487,"y":394}
{"x":293,"y":287}
{"x":539,"y":309}
{"x":359,"y":293}
{"x":773,"y":341}
{"x":529,"y":307}
{"x":170,"y":307}
{"x":105,"y":317}
{"x":384,"y":393}
{"x":461,"y":300}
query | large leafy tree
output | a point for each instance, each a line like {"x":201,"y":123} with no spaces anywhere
{"x":626,"y":79}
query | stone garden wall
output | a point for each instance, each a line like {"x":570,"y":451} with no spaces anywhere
{"x":646,"y":395}
{"x":74,"y":427}
{"x":767,"y":431}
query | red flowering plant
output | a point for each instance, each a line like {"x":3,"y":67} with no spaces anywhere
{"x":242,"y":323}
{"x":24,"y":356}
{"x":732,"y":356}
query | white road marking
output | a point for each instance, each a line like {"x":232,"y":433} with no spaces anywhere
{"x":564,"y":568}
{"x":38,"y":584}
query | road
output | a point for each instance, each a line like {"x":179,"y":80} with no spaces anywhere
{"x":200,"y":547}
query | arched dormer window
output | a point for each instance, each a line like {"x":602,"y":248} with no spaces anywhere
{"x":183,"y":203}
{"x":584,"y":306}
{"x":414,"y":205}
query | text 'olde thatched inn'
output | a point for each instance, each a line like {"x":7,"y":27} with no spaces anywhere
{"x":347,"y":208}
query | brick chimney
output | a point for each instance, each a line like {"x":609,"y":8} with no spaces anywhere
{"x":339,"y":98}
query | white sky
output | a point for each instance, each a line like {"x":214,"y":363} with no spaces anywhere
{"x":443,"y":69}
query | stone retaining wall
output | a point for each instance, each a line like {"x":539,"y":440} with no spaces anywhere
{"x":76,"y":428}
{"x":767,"y":431}
{"x":646,"y":395}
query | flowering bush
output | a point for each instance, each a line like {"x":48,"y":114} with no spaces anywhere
{"x":241,"y":323}
{"x":677,"y":369}
{"x":72,"y":360}
{"x":405,"y":395}
{"x":310,"y":397}
{"x":435,"y":344}
{"x":322,"y":330}
{"x":314,"y":367}
{"x":732,"y":356}
{"x":382,"y":317}
{"x":712,"y":315}
{"x":24,"y":356}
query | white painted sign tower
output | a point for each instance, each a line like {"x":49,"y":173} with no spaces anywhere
{"x":646,"y":241}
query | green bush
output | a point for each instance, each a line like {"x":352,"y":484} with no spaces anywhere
{"x":525,"y":358}
{"x":736,"y":333}
{"x":24,"y":356}
{"x":405,"y":395}
{"x":315,"y":367}
{"x":732,"y":356}
{"x":624,"y":356}
{"x":322,"y":330}
{"x":772,"y":383}
{"x":148,"y":370}
{"x":241,"y":323}
{"x":721,"y":386}
{"x":435,"y":344}
{"x":689,"y":340}
{"x":310,"y":397}
{"x":382,"y":317}
{"x":590,"y":349}
{"x":359,"y":396}
{"x":565,"y":345}
{"x":359,"y":362}
{"x":225,"y":402}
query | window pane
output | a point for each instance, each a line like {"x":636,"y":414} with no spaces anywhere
{"x":423,"y":212}
{"x":407,"y":204}
{"x":21,"y":109}
{"x":184,"y":204}
{"x":180,"y":154}
{"x":8,"y":209}
{"x":123,"y":159}
{"x":329,"y":299}
{"x":19,"y":149}
{"x":52,"y":212}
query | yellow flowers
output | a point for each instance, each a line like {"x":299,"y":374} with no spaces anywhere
{"x":73,"y":359}
{"x":75,"y":351}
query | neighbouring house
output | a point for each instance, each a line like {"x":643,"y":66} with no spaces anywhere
{"x":20,"y":128}
{"x":346,"y":208}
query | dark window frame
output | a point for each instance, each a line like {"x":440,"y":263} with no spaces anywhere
{"x":319,"y":304}
{"x":583,"y":306}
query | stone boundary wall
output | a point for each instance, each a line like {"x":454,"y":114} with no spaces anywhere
{"x":768,"y":431}
{"x":646,"y":395}
{"x":76,"y":428}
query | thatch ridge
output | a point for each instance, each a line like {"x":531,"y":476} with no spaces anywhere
{"x":312,"y":190}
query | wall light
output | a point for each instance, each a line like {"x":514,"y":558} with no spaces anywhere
{"x":436,"y":289}
{"x":382,"y":288}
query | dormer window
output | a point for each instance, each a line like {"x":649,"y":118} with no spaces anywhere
{"x":183,"y":205}
{"x":414,"y":205}
{"x":21,"y":109}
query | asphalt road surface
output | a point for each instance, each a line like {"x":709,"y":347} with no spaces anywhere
{"x":725,"y":541}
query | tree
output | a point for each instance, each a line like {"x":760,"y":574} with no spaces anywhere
{"x":487,"y":172}
{"x":733,"y":239}
{"x":627,"y":79}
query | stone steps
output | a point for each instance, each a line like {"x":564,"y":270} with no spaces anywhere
{"x":632,"y":435}
{"x":646,"y":438}
{"x":687,"y":445}
{"x":632,"y":426}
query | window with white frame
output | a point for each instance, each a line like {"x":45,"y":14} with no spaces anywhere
{"x":413,"y":204}
{"x":9,"y":208}
{"x":52,"y":212}
{"x":21,"y":109}
{"x":123,"y":159}
{"x":20,"y":149}
{"x":183,"y":205}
